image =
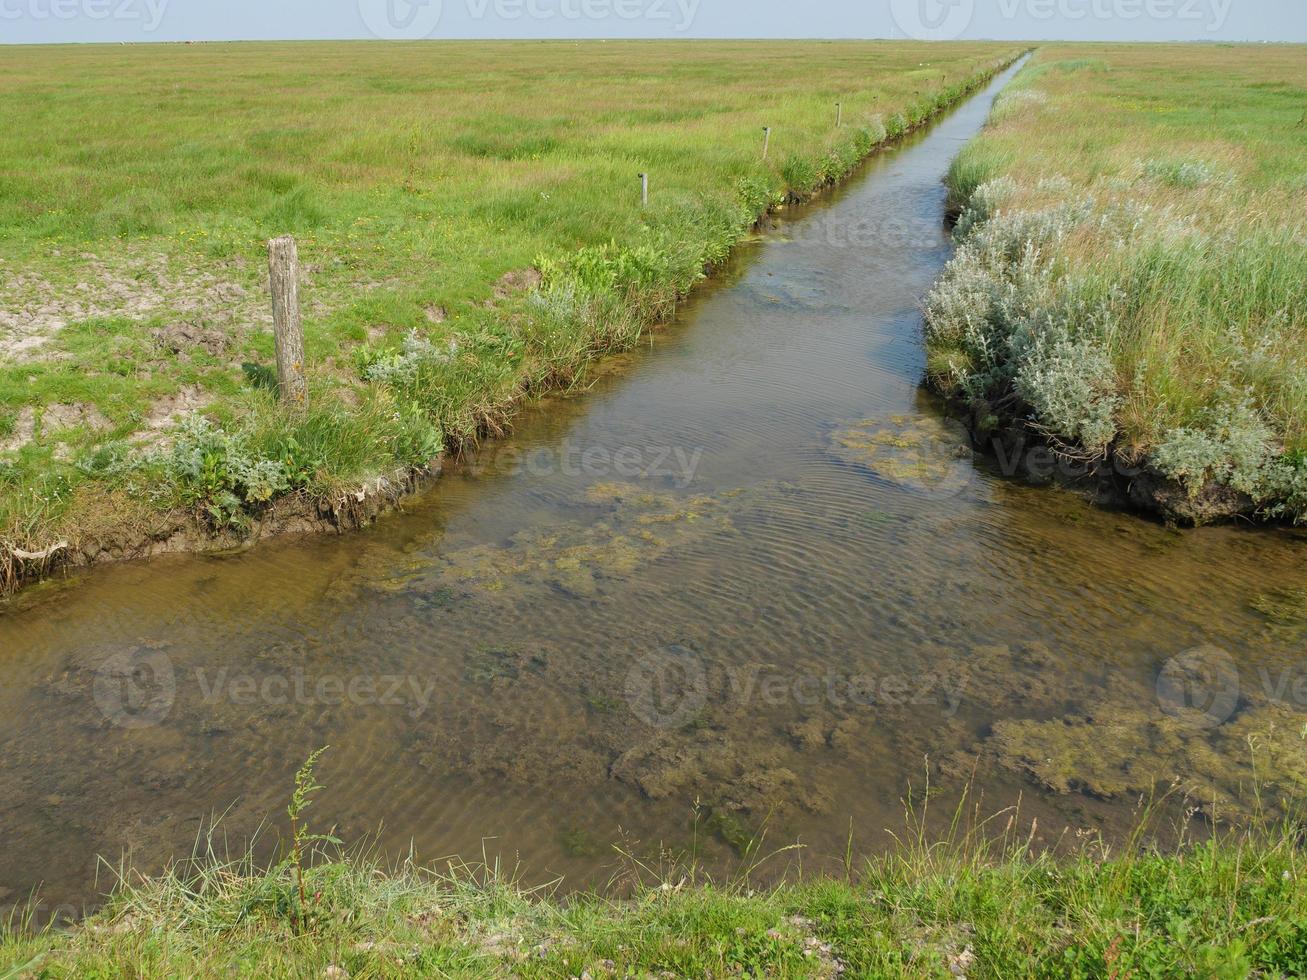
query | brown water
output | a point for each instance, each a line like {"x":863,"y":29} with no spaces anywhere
{"x":751,"y":568}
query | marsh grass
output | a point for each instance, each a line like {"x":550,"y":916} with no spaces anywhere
{"x":970,"y":894}
{"x":424,"y":182}
{"x":1133,"y":263}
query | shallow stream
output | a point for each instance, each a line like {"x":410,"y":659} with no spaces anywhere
{"x":752,"y":578}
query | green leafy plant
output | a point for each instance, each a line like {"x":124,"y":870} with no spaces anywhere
{"x":801,"y":174}
{"x":217,"y":473}
{"x":298,"y":464}
{"x":416,"y":440}
{"x":301,"y":837}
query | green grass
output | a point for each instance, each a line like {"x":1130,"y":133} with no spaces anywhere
{"x":1133,"y":264}
{"x":424,"y":183}
{"x":976,"y":902}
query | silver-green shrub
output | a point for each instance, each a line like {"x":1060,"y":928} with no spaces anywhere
{"x":1182,"y":173}
{"x":1232,"y":446}
{"x":415,"y":356}
{"x":1070,"y":383}
{"x":217,"y":472}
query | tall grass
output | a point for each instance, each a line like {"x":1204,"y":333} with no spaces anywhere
{"x":1132,"y":273}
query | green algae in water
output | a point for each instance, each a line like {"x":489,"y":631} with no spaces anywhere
{"x":485,"y":665}
{"x":925,"y":454}
{"x":1117,"y":750}
{"x":1285,"y":611}
{"x":580,"y":559}
{"x":580,"y":843}
{"x":603,"y":704}
{"x":730,"y":830}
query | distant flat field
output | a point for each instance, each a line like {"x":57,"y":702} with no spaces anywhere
{"x":428,"y":185}
{"x":420,"y":172}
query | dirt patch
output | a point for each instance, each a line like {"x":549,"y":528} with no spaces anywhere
{"x":167,"y":412}
{"x":512,"y":283}
{"x":19,"y":341}
{"x":185,"y":338}
{"x":79,"y":415}
{"x":34,"y":309}
{"x":23,"y":431}
{"x":30,"y":315}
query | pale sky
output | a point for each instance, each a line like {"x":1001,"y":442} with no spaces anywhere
{"x":61,"y":21}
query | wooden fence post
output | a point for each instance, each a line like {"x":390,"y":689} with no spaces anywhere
{"x":839,"y":114}
{"x":287,"y":327}
{"x":766,"y":141}
{"x":644,"y":190}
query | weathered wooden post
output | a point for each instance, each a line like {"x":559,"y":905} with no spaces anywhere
{"x":839,"y":114}
{"x":644,"y":190}
{"x":287,"y":326}
{"x":766,"y":141}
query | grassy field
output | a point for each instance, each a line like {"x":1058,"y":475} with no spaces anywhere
{"x":1133,"y":268}
{"x":973,"y":904}
{"x":469,"y":220}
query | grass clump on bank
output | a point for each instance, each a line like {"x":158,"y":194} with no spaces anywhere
{"x":469,"y":220}
{"x":1131,"y":280}
{"x":972,"y":904}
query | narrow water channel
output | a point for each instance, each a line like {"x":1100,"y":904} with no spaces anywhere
{"x":753,"y":578}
